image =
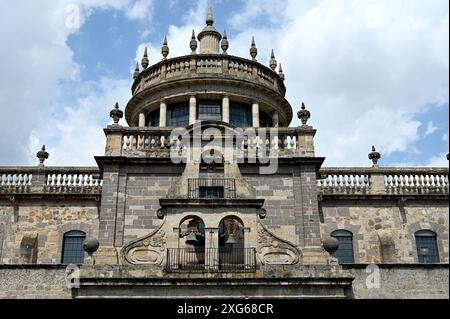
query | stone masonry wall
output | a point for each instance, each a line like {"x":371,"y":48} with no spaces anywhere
{"x":46,"y":221}
{"x":33,"y":282}
{"x":371,"y":222}
{"x":402,"y":282}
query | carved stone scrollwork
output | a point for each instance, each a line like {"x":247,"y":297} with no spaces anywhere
{"x":272,"y":250}
{"x":148,"y":250}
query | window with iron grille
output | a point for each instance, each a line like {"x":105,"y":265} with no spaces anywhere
{"x":427,"y":250}
{"x":345,"y":251}
{"x":72,"y":250}
{"x":209,"y":111}
{"x":178,"y":115}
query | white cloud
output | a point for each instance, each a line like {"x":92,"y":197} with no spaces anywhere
{"x":431,"y":128}
{"x":35,"y":59}
{"x":364,"y":69}
{"x":438,"y":161}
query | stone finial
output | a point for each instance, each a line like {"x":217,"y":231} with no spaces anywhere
{"x":374,"y":156}
{"x":193,"y":43}
{"x":136,"y":71}
{"x":165,"y":49}
{"x":42,"y":155}
{"x":91,"y":246}
{"x":448,"y":157}
{"x":116,"y":114}
{"x":304,"y":115}
{"x":145,"y":62}
{"x":225,"y":43}
{"x":331,"y":245}
{"x":273,"y":63}
{"x":253,"y":49}
{"x":281,"y":73}
{"x":210,"y":17}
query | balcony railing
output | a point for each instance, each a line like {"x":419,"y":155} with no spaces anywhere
{"x":193,"y":66}
{"x":53,"y":180}
{"x":389,"y":181}
{"x":166,"y":142}
{"x":204,"y":188}
{"x":211,"y":260}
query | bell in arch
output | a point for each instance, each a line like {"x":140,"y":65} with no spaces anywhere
{"x":231,"y":240}
{"x":191,"y":239}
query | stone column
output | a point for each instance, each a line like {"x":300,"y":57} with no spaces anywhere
{"x":192,"y":110}
{"x":142,"y":119}
{"x":226,"y":109}
{"x":163,"y":114}
{"x":255,"y":115}
{"x":212,"y":248}
{"x":276,"y":119}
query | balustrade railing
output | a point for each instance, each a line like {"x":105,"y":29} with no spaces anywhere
{"x":211,"y":188}
{"x":401,"y":181}
{"x":49,"y":180}
{"x":197,"y":65}
{"x":163,"y":141}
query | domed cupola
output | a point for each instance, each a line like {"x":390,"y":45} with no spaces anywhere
{"x":209,"y":38}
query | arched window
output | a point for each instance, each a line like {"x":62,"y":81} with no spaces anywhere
{"x":427,"y":250}
{"x":72,"y":250}
{"x":345,"y":252}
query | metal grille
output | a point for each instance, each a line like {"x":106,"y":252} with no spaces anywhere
{"x":345,"y":251}
{"x":427,"y":250}
{"x":73,"y":252}
{"x":212,"y":188}
{"x":200,"y":260}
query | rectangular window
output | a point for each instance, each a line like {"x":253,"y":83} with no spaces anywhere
{"x":345,"y":252}
{"x":178,"y":115}
{"x":427,"y":250}
{"x":211,"y":192}
{"x":209,"y":111}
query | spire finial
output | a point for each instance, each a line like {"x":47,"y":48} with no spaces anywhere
{"x":281,"y":73}
{"x":225,"y":43}
{"x":193,"y":43}
{"x":145,"y":60}
{"x":253,"y":49}
{"x":165,"y":49}
{"x":304,"y":115}
{"x":210,"y":17}
{"x":42,"y":155}
{"x":136,"y":71}
{"x":374,"y":156}
{"x":273,"y":63}
{"x":116,"y":114}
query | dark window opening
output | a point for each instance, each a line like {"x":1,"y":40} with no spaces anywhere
{"x":265,"y":120}
{"x":72,"y":250}
{"x":178,"y":115}
{"x":209,"y":111}
{"x":345,"y":251}
{"x":241,"y":115}
{"x":427,"y":250}
{"x":153,"y":119}
{"x":211,"y":192}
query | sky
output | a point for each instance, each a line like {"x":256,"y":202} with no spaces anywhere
{"x":372,"y":72}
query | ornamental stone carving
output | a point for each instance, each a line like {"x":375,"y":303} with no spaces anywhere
{"x":273,"y":250}
{"x":148,"y":250}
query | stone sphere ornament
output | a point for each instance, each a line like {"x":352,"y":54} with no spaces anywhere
{"x":331,"y":245}
{"x":91,"y":246}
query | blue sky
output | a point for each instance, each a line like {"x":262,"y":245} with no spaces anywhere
{"x":371,"y":72}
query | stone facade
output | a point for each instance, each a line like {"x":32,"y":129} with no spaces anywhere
{"x":178,"y":216}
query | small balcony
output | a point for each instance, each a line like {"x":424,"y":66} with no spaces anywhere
{"x":211,"y":188}
{"x":211,"y":260}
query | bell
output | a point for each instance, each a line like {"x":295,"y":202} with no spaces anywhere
{"x":231,"y":240}
{"x":191,"y":239}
